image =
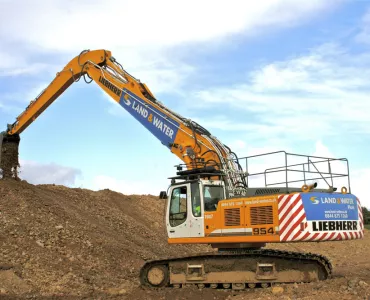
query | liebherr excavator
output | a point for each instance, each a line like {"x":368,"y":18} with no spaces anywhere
{"x":209,"y":201}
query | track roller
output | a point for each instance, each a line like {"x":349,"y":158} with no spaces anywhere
{"x":238,"y":286}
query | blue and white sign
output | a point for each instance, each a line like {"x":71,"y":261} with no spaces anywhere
{"x":160,"y":125}
{"x":324,"y":206}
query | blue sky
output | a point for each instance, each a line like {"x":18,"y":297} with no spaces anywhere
{"x":272,"y":75}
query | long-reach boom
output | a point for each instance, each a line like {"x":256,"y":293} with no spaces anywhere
{"x":193,"y":144}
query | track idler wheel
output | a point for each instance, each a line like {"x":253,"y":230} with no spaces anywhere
{"x":156,"y":276}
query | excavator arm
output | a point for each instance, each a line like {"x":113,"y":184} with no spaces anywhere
{"x":189,"y":141}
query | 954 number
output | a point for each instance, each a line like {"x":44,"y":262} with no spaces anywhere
{"x":263,"y":230}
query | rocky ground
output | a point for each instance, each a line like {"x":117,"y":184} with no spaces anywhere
{"x":62,"y":243}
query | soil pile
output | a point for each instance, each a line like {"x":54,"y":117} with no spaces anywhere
{"x":62,"y":243}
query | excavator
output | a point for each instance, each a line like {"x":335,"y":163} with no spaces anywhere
{"x":210,"y":200}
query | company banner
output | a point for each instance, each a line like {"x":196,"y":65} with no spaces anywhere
{"x":323,"y":206}
{"x":159,"y":124}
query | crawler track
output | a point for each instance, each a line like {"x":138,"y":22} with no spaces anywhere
{"x":236,"y":269}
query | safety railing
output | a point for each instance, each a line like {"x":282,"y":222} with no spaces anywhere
{"x":294,"y":169}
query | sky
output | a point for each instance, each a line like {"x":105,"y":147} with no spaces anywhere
{"x":261,"y":76}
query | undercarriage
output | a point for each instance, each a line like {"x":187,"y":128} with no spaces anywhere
{"x":236,"y":269}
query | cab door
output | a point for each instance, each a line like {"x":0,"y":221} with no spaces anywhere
{"x":196,"y":211}
{"x":183,"y":219}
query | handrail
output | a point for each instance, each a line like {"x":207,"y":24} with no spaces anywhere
{"x":312,"y":161}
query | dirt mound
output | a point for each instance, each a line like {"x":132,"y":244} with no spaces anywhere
{"x":80,"y":244}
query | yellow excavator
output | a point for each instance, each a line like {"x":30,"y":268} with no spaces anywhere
{"x":210,"y":200}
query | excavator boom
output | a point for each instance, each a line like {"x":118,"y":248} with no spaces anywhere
{"x":189,"y":141}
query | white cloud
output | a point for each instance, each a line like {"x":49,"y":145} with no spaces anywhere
{"x":8,"y":60}
{"x":324,"y":92}
{"x":322,"y":150}
{"x":13,"y":70}
{"x":238,"y":145}
{"x":16,"y":61}
{"x":40,"y":173}
{"x":139,"y":33}
{"x":16,"y":102}
{"x":68,"y":25}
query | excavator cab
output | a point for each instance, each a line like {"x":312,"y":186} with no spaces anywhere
{"x":191,"y":194}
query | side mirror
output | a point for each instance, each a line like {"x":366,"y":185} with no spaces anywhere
{"x":163,"y":195}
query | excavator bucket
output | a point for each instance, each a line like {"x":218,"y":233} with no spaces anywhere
{"x":9,"y":155}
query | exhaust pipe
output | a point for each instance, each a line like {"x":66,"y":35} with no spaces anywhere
{"x":307,"y":188}
{"x":312,"y":186}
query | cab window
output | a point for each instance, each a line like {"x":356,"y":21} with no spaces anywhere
{"x":178,"y":206}
{"x":212,"y":194}
{"x":195,"y":200}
